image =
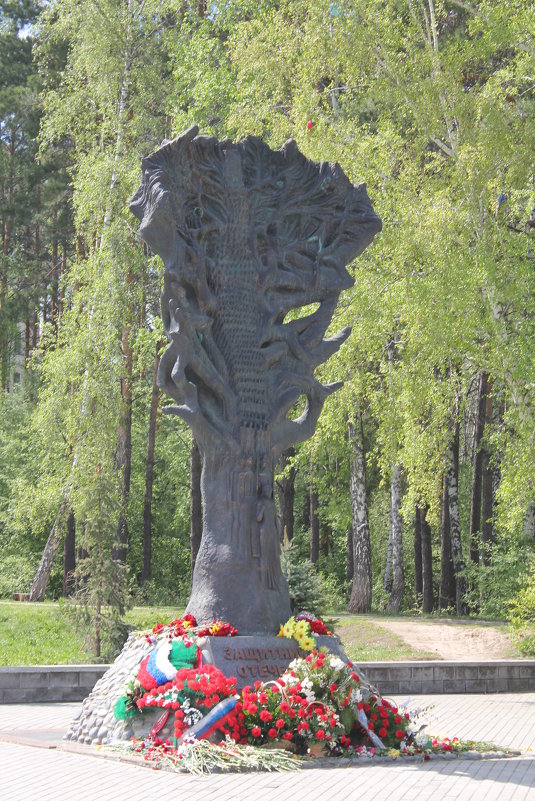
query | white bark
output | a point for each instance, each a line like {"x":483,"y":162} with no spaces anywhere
{"x":396,"y":537}
{"x":361,"y":590}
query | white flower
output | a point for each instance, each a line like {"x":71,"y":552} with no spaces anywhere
{"x":355,"y":697}
{"x":421,"y":739}
{"x":337,"y":663}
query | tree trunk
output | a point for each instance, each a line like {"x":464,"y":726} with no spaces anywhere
{"x":69,"y":556}
{"x":314,"y":520}
{"x":349,"y":562}
{"x":54,"y":284}
{"x":487,"y":528}
{"x":42,"y":575}
{"x":124,"y":444}
{"x":361,"y":591}
{"x":7,"y":228}
{"x":452,"y":483}
{"x":428,"y":600}
{"x":149,"y":474}
{"x":398,"y":575}
{"x":488,"y":481}
{"x":387,"y":578}
{"x":417,"y":557}
{"x":477,"y":456}
{"x":195,"y":502}
{"x":529,"y":522}
{"x":447,"y":577}
{"x":286,"y":494}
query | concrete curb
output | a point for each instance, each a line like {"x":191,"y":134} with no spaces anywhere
{"x":441,"y":677}
{"x":53,"y":683}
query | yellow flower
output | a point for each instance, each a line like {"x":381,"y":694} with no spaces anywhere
{"x":307,"y":643}
{"x":302,"y":628}
{"x":289,"y":627}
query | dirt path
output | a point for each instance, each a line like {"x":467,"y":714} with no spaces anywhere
{"x":451,"y":640}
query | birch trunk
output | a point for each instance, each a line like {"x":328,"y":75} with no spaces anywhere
{"x":69,"y":556}
{"x":360,"y":599}
{"x":349,"y":562}
{"x":42,"y":575}
{"x":398,"y":575}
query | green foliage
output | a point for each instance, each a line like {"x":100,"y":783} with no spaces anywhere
{"x":522,"y":613}
{"x":304,"y":584}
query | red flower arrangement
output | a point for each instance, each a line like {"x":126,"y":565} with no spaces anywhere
{"x":191,"y":695}
{"x":283,"y":712}
{"x":317,"y":626}
{"x":217,"y":628}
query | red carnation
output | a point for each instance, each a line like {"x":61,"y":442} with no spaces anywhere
{"x":382,"y":732}
{"x":272,"y":733}
{"x":320,"y":734}
{"x":256,"y":731}
{"x":265,"y":715}
{"x":279,"y":724}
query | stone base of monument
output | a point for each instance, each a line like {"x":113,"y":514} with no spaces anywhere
{"x":258,"y":658}
{"x":249,"y":658}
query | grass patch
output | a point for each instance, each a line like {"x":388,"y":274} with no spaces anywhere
{"x":38,"y":634}
{"x":42,"y":634}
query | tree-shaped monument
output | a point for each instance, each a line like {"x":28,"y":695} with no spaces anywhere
{"x":247,"y":235}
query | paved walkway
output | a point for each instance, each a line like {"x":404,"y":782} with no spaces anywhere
{"x":45,"y":773}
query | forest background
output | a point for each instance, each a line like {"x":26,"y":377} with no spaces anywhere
{"x":417,"y":491}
